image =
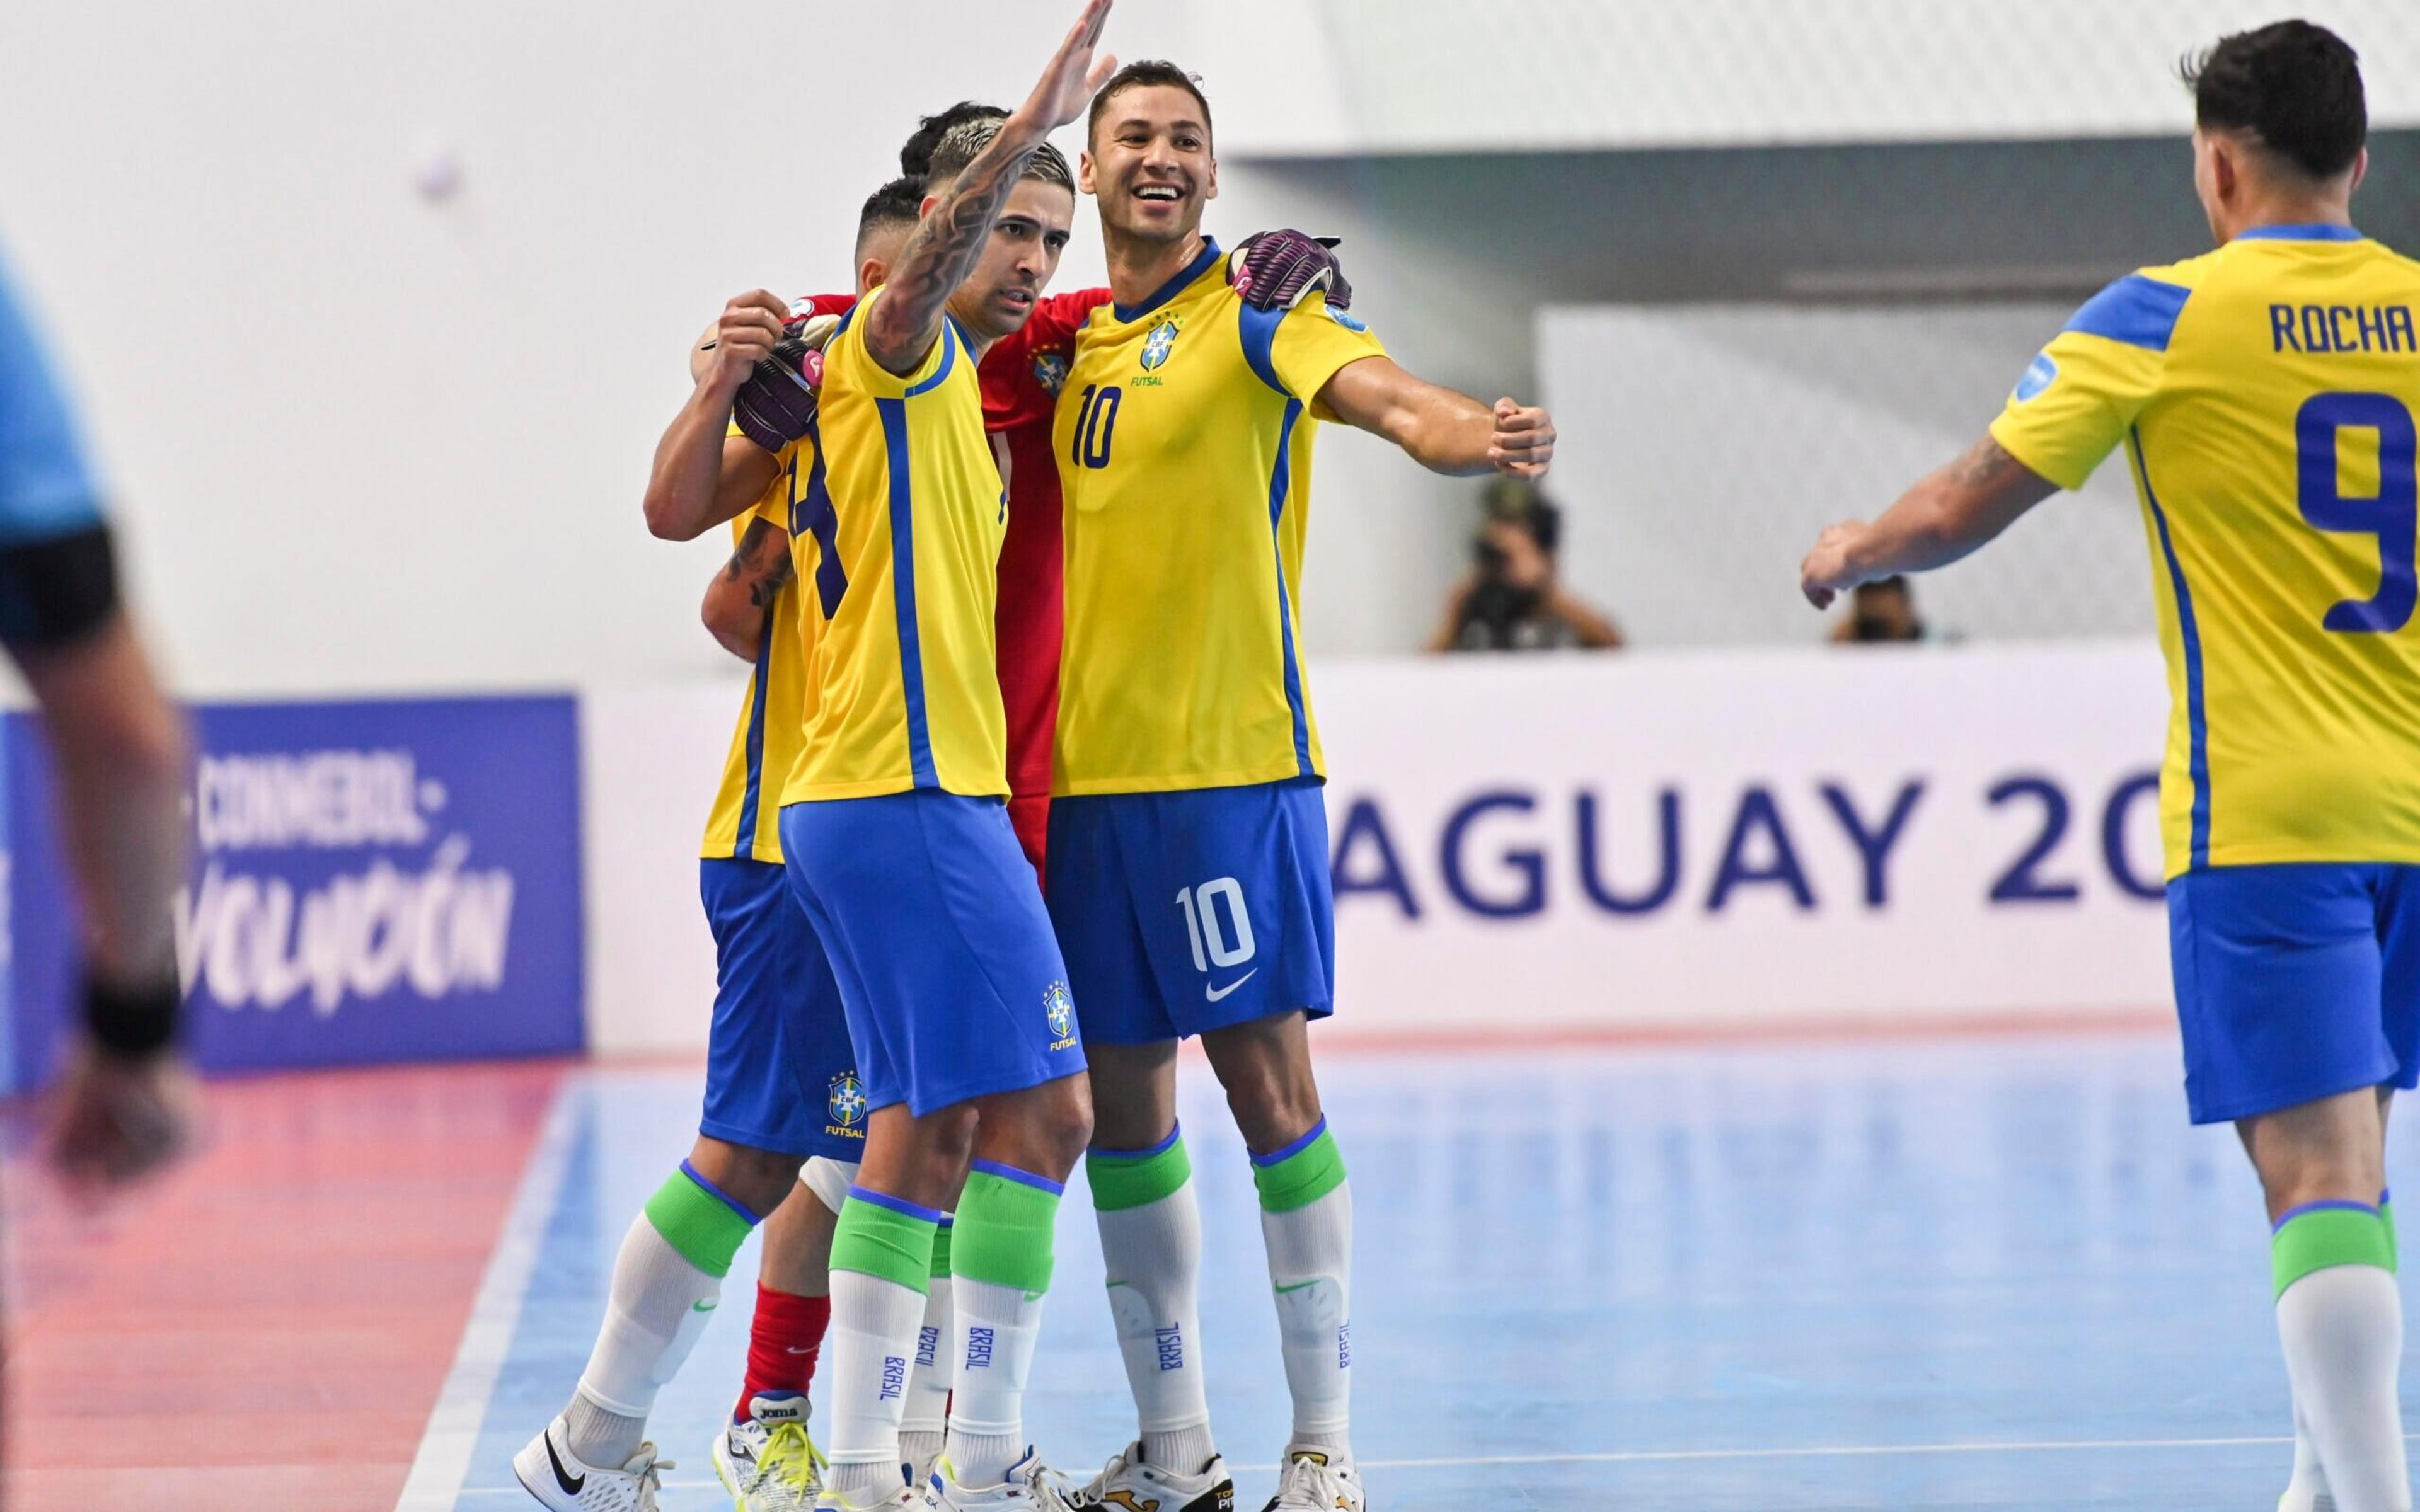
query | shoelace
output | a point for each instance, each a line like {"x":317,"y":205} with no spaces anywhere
{"x":1325,"y":1489}
{"x":650,"y":1473}
{"x":1098,"y":1486}
{"x":1052,"y":1490}
{"x":791,"y":1454}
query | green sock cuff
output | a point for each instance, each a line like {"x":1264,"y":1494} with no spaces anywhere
{"x":1301,"y":1174}
{"x":1004,"y":1226}
{"x":2387,"y":1220}
{"x":2320,"y":1236}
{"x":876,"y":1239}
{"x":941,"y":1251}
{"x":1122,"y":1181}
{"x":702,"y":1224}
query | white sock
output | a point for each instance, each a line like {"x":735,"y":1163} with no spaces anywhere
{"x":2309,"y":1482}
{"x":993,"y":1329}
{"x":660,"y":1304}
{"x":1311,"y":1269}
{"x":867,"y":1350}
{"x":927,"y":1414}
{"x":1154,"y":1258}
{"x":2342,"y":1329}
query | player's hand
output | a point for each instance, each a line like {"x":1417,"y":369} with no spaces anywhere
{"x":745,"y":336}
{"x":1278,"y":269}
{"x":116,"y":1120}
{"x":1524,"y":442}
{"x":1072,"y":78}
{"x":1826,"y":571}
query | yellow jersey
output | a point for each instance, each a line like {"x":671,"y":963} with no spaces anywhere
{"x":2265,"y":397}
{"x":773,"y":715}
{"x":1184,"y":437}
{"x":896,"y":552}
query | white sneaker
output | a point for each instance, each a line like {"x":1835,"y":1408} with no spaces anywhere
{"x":1315,"y":1481}
{"x":768,"y":1463}
{"x":1029,"y":1486}
{"x":550,"y":1472}
{"x":906,"y":1499}
{"x":1127,"y":1483}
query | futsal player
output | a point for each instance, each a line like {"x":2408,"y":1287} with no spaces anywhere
{"x":781,"y":1091}
{"x":895,"y":831}
{"x":1189,"y":875}
{"x":2264,"y":395}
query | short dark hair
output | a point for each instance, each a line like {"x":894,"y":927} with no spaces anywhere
{"x":897,"y":203}
{"x":916,"y":154}
{"x":2295,"y":86}
{"x":964,"y":143}
{"x":1143,"y":74}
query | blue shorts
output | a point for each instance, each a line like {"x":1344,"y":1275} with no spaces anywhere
{"x":778,"y":1072}
{"x":1181,"y":912}
{"x":2294,"y":983}
{"x":953,"y":984}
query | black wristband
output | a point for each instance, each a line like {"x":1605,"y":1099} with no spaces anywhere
{"x":131,"y":1023}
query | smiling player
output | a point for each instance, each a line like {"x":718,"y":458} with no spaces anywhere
{"x":1188,"y":878}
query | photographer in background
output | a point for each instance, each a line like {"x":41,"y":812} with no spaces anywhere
{"x":1880,"y":612}
{"x":1513,"y":600}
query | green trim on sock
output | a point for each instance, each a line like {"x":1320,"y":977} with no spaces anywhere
{"x":2387,"y":1220}
{"x":1123,"y":1181}
{"x":698,"y":1223}
{"x":873,"y":1240}
{"x":940,"y":1253}
{"x":2327,"y":1237}
{"x":1302,"y":1177}
{"x":1003,"y":1233}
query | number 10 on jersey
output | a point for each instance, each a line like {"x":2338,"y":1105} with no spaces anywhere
{"x":1096,"y":417}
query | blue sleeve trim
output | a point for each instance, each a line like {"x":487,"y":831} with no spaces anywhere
{"x":1289,"y":1151}
{"x":1010,"y":1173}
{"x":2138,"y":311}
{"x":1175,"y":1132}
{"x":721,"y":1196}
{"x":883,"y":1199}
{"x":2189,"y":634}
{"x":1259,"y":330}
{"x":948,"y":358}
{"x":743,"y":844}
{"x":2308,"y":231}
{"x":2332,"y":1205}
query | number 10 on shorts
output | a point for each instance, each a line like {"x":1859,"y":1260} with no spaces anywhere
{"x":1220,"y":942}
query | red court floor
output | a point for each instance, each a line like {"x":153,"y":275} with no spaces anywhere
{"x":267,"y":1327}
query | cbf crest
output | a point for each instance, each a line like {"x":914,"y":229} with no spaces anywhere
{"x":1051,"y":372}
{"x":845,"y":1101}
{"x":1059,"y":1011}
{"x":1158,"y":342}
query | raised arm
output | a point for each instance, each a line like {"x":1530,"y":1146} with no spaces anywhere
{"x":1948,"y":513}
{"x":701,"y":479}
{"x":947,"y":242}
{"x":739,"y":601}
{"x":1440,"y":429}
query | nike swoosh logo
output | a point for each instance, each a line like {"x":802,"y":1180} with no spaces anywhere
{"x":1297,"y":1286}
{"x":792,"y":1348}
{"x":572,"y":1486}
{"x":1214,"y":993}
{"x":702,"y":1307}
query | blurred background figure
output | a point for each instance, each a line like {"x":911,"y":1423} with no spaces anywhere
{"x":119,"y":750}
{"x":1513,"y":597}
{"x":1880,"y":611}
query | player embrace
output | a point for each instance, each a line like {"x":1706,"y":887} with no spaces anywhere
{"x":2265,"y":397}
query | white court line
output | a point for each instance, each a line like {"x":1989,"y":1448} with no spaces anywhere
{"x":1669,"y":1456}
{"x":445,"y":1458}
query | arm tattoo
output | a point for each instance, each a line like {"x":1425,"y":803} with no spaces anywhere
{"x":941,"y":252}
{"x":765,"y":581}
{"x":1986,"y":465}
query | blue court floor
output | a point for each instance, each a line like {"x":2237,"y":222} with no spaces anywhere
{"x":1972,"y":1273}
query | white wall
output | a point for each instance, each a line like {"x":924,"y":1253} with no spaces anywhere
{"x":1418,"y":741}
{"x":1452,"y":76}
